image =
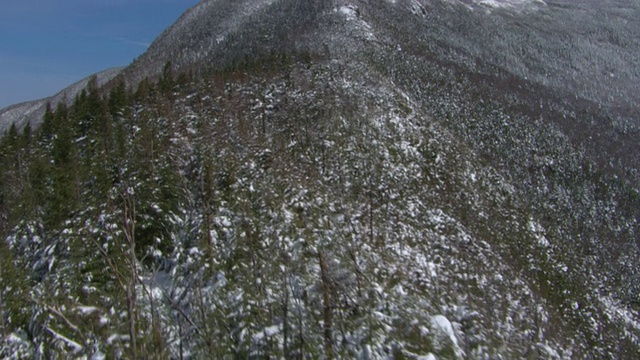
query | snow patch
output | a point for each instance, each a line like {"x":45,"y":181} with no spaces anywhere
{"x":442,"y":323}
{"x":98,"y":356}
{"x":539,"y":232}
{"x":87,"y":310}
{"x":351,"y":13}
{"x":620,"y":313}
{"x":348,"y":11}
{"x":427,"y":357}
{"x":550,"y":352}
{"x":13,"y":338}
{"x":268,"y":332}
{"x":70,"y":343}
{"x":512,"y":4}
{"x":117,"y":338}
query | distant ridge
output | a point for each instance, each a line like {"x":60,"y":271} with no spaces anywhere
{"x":32,"y":111}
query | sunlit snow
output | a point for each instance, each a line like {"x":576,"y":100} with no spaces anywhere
{"x":508,"y":3}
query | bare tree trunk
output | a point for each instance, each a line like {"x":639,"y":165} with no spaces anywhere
{"x":285,"y":310}
{"x":370,"y":195}
{"x":132,"y":322}
{"x":301,"y":332}
{"x":328,"y":311}
{"x":130,"y":236}
{"x":180,"y":336}
{"x":127,"y":281}
{"x":207,"y":334}
{"x":158,"y":344}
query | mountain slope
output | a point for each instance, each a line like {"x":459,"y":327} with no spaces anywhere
{"x":560,"y":50}
{"x":31,"y":112}
{"x":334,"y":179}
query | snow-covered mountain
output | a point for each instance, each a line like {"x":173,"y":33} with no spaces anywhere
{"x":31,"y":112}
{"x":362,"y":179}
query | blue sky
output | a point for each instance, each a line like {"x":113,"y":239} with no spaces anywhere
{"x":46,"y":45}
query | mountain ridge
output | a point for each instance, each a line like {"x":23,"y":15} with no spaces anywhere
{"x":31,"y":112}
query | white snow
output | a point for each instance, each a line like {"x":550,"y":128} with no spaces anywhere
{"x":351,"y":13}
{"x":513,"y":4}
{"x":550,"y":351}
{"x":268,"y":332}
{"x":348,"y":11}
{"x":620,"y":313}
{"x":13,"y":338}
{"x":72,"y":344}
{"x":427,"y":357}
{"x":87,"y":310}
{"x":117,"y":338}
{"x":98,"y":356}
{"x":442,"y":323}
{"x":272,"y":330}
{"x":538,"y":231}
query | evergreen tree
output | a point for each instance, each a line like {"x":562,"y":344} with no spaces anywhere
{"x":26,"y":136}
{"x":47,"y":129}
{"x":118,"y":98}
{"x":11,"y":160}
{"x":64,"y":172}
{"x":166,"y":82}
{"x":14,"y":299}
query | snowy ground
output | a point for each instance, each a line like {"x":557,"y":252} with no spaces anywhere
{"x":514,"y":4}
